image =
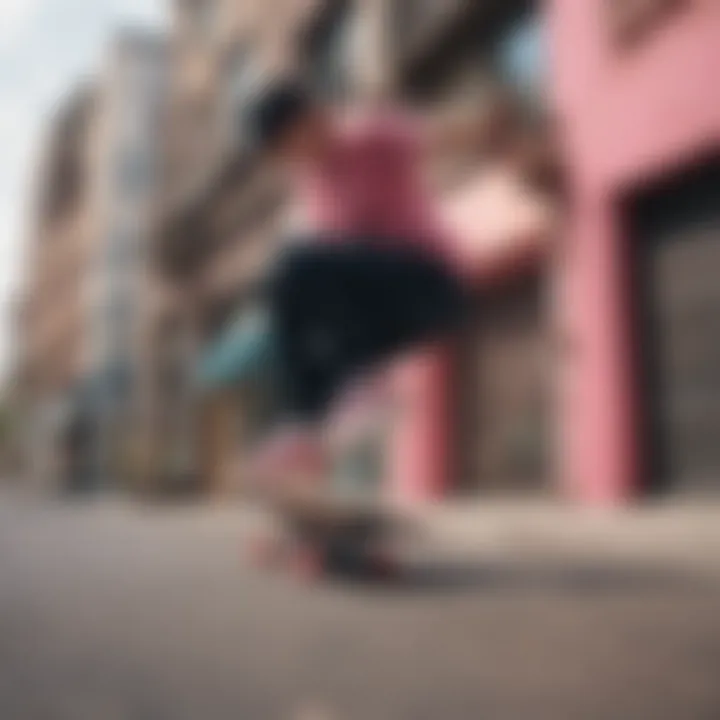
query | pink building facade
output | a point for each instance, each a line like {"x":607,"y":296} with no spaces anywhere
{"x":630,"y":114}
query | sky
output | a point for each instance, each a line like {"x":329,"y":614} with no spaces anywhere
{"x":46,"y":47}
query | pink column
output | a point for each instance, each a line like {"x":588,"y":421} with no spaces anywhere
{"x":598,"y":443}
{"x":420,"y":464}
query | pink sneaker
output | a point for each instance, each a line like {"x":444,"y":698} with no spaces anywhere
{"x":292,"y":450}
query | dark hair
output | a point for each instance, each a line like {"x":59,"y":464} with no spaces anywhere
{"x":275,"y":110}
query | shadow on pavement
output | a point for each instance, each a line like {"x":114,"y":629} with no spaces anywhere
{"x":573,"y":578}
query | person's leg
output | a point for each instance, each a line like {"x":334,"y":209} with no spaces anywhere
{"x":401,"y":300}
{"x":307,"y":307}
{"x":398,"y":299}
{"x":339,"y":312}
{"x":310,"y":307}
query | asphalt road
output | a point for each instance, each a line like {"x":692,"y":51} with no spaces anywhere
{"x":109,"y":612}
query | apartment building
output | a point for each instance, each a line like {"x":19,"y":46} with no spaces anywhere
{"x":89,"y":280}
{"x":54,"y":315}
{"x":125,"y":293}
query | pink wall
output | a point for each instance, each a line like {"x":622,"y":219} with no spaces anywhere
{"x":626,"y":114}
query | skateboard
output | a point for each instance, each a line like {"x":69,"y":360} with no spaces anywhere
{"x":316,"y":542}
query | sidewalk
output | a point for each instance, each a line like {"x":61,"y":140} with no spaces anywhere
{"x":687,"y":532}
{"x":681,"y":532}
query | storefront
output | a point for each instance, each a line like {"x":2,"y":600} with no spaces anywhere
{"x":501,"y":390}
{"x":626,"y":312}
{"x":641,"y":116}
{"x":675,"y":232}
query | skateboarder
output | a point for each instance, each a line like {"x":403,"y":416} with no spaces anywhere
{"x":371,"y":277}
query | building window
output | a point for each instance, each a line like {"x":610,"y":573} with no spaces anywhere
{"x":330,"y":52}
{"x":65,"y":180}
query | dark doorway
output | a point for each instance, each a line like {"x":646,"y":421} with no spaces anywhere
{"x":77,"y":446}
{"x":502,"y":391}
{"x":675,"y":240}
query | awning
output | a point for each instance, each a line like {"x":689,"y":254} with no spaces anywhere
{"x":243,"y":350}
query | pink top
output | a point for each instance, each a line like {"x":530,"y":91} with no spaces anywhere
{"x":372,"y":183}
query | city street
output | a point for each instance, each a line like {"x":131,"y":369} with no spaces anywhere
{"x":114,"y":612}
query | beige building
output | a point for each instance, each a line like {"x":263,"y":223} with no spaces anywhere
{"x":127,"y":295}
{"x":90,"y":283}
{"x":54,"y":314}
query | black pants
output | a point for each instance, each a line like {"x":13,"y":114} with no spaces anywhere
{"x":339,"y":309}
